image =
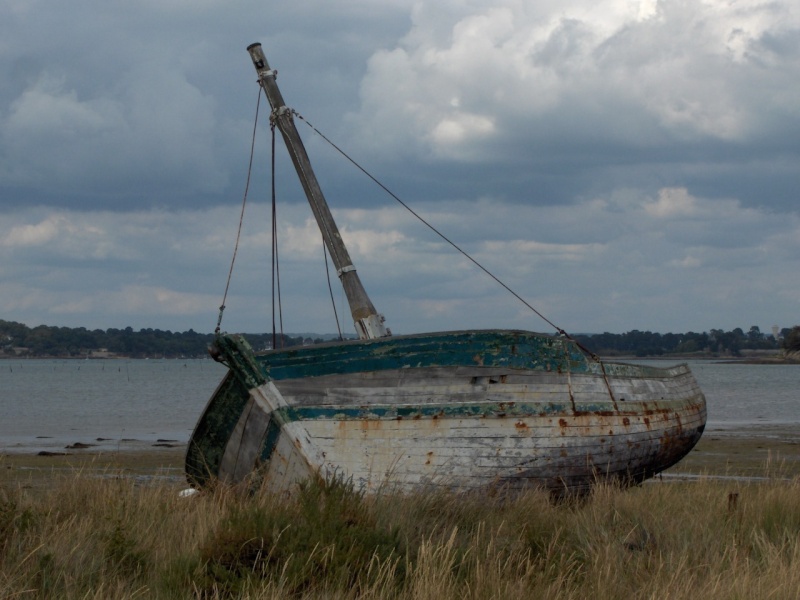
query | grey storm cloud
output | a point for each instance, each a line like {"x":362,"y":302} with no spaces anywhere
{"x":622,"y":164}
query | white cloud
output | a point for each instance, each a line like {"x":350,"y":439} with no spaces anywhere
{"x":589,"y":267}
{"x":47,"y":107}
{"x":680,"y":67}
{"x":33,"y":235}
{"x":689,"y":262}
{"x":61,"y":235}
{"x":150,"y":127}
{"x":458,"y":129}
{"x":531,"y":250}
{"x":157,"y":300}
{"x":672,"y":202}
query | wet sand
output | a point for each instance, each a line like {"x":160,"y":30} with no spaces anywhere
{"x":751,"y":451}
{"x":147,"y":464}
{"x":743,"y":452}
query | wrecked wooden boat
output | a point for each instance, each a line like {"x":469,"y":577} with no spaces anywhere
{"x":463,"y":409}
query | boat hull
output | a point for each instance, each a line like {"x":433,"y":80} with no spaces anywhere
{"x":462,"y":410}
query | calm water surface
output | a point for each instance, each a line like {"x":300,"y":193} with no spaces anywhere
{"x":739,"y":394}
{"x":47,"y":404}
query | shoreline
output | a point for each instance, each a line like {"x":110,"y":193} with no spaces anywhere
{"x":740,"y":452}
{"x":149,"y":465}
{"x":54,"y":445}
{"x":772,"y":359}
{"x":745,"y":451}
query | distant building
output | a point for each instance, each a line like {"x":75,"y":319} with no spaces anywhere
{"x":102,"y":353}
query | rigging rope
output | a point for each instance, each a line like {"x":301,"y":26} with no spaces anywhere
{"x":559,"y":330}
{"x":241,"y":216}
{"x":276,"y":271}
{"x":330,"y":289}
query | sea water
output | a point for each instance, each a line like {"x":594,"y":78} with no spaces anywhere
{"x":741,"y":394}
{"x":49,"y":404}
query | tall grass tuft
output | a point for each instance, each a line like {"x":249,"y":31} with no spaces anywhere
{"x":90,"y":537}
{"x":326,"y":537}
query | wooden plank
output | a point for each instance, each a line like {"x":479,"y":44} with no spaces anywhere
{"x":409,"y":458}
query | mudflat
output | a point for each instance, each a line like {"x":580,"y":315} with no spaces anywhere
{"x":744,"y":451}
{"x":758,"y":451}
{"x":35,"y":470}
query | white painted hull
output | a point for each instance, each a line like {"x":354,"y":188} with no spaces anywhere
{"x":489,"y":427}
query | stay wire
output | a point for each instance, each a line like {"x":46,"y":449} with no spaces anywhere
{"x":276,"y":271}
{"x":241,"y":216}
{"x":330,"y":289}
{"x":437,"y":232}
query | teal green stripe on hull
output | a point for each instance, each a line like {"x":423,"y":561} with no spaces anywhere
{"x":488,"y":409}
{"x":491,"y":348}
{"x":515,"y":350}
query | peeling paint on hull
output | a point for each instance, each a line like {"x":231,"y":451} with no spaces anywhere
{"x":462,"y":410}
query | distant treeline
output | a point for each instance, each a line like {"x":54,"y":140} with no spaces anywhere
{"x":19,"y":340}
{"x":714,"y":342}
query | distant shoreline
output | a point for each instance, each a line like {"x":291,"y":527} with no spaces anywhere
{"x":748,"y":358}
{"x":744,"y":359}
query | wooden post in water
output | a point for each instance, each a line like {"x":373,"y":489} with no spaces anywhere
{"x":368,"y":323}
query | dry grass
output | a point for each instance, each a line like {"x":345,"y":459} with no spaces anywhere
{"x":111,"y":537}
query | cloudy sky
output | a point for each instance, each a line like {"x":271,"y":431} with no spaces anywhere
{"x":620,"y":164}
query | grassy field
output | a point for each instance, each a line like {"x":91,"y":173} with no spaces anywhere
{"x":725,"y":523}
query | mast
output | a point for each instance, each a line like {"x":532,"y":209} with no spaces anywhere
{"x":368,"y":323}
